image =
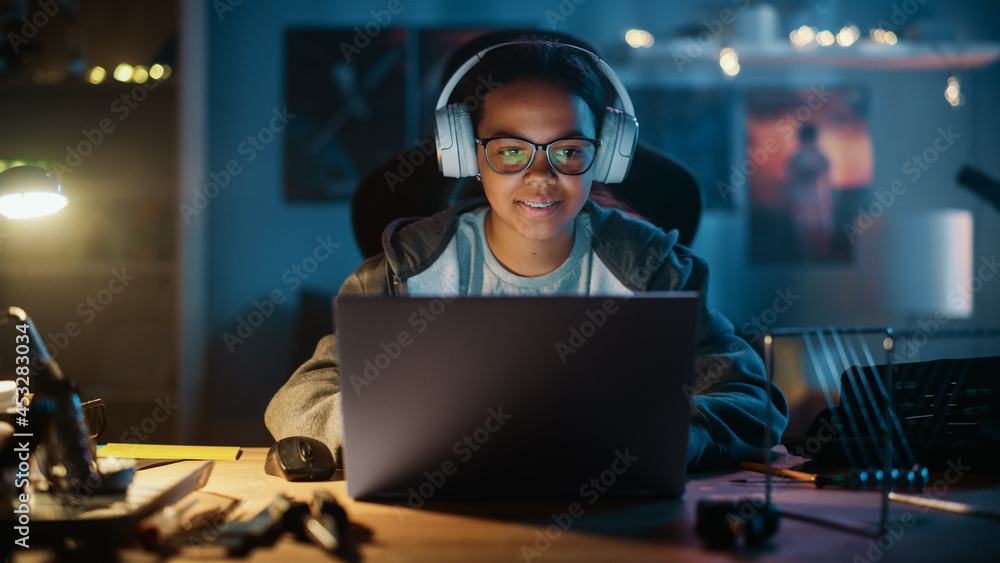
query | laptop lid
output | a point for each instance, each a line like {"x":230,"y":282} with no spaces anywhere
{"x":516,"y":396}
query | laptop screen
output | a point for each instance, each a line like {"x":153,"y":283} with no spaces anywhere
{"x":525,"y":396}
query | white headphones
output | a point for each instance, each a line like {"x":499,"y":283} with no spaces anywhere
{"x":456,"y":141}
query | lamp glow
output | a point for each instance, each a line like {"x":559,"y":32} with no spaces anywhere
{"x":30,"y":205}
{"x":30,"y":191}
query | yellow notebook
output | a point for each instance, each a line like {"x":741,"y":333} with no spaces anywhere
{"x":157,"y":451}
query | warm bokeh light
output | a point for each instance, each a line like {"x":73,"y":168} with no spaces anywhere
{"x":31,"y":204}
{"x":637,"y":38}
{"x":802,"y":36}
{"x":139,"y":74}
{"x":883,"y":36}
{"x":123,"y":72}
{"x":97,"y":75}
{"x":729,"y":61}
{"x":953,"y":93}
{"x":825,"y":38}
{"x":848,"y":36}
{"x":156,"y":71}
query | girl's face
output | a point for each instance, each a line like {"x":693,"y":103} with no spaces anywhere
{"x":537,"y":206}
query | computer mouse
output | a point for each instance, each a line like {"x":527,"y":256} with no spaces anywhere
{"x":300,"y":458}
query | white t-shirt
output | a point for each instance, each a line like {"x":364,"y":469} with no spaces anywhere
{"x":480,"y":273}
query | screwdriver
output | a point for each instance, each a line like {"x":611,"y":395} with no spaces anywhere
{"x":912,"y":480}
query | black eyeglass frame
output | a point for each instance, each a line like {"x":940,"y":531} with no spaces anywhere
{"x":537,"y":148}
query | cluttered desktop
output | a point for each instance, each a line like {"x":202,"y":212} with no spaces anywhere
{"x":74,"y":496}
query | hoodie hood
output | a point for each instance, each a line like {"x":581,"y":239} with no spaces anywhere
{"x":634,"y":250}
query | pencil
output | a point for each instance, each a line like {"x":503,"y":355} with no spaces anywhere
{"x":777,"y":471}
{"x":945,"y":505}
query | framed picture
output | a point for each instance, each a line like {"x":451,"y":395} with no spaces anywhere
{"x":359,"y":101}
{"x":348,"y":98}
{"x":808,"y":157}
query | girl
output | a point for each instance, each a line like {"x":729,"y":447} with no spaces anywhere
{"x":538,"y":231}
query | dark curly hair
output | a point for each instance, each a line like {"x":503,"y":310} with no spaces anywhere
{"x":529,"y":57}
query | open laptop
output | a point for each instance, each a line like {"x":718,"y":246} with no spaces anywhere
{"x":543,"y":396}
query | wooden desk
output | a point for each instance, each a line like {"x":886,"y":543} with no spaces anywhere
{"x":608,"y":530}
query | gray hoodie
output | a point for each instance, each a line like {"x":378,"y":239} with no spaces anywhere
{"x":728,"y":396}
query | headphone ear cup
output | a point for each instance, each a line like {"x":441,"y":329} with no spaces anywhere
{"x":619,"y":133}
{"x":456,"y":142}
{"x":468,"y":160}
{"x":606,"y":150}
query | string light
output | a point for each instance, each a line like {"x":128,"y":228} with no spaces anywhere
{"x":883,"y":36}
{"x":825,"y":38}
{"x":637,"y":38}
{"x":848,"y":36}
{"x":123,"y":72}
{"x":139,"y":74}
{"x":953,"y":93}
{"x":97,"y":75}
{"x":729,"y":61}
{"x":802,"y":36}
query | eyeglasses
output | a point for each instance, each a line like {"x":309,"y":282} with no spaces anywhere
{"x":507,"y":155}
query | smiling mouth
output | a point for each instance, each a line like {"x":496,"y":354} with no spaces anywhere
{"x":538,"y":204}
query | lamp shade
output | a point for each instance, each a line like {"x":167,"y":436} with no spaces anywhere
{"x":30,"y":191}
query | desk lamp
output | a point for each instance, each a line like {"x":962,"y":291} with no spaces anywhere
{"x":30,"y":191}
{"x":56,"y":431}
{"x":68,"y":457}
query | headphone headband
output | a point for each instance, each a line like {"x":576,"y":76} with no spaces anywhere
{"x":605,"y":69}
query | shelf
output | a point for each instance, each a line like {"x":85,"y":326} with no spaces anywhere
{"x":865,"y":54}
